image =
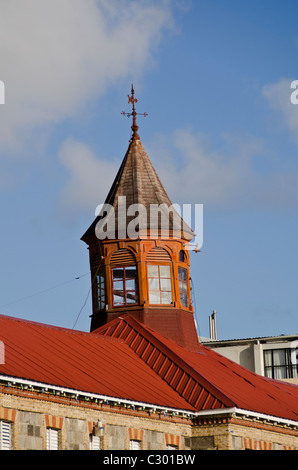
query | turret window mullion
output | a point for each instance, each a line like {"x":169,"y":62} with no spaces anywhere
{"x":160,"y":284}
{"x":124,"y":286}
{"x":183,"y":288}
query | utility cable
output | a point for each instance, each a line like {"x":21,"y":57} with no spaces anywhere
{"x":44,"y":290}
{"x":195,"y":309}
{"x":90,"y":288}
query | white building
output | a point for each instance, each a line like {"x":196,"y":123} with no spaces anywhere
{"x":274,"y":356}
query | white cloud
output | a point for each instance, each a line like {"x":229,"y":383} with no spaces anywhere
{"x":279,"y":97}
{"x":240,"y":175}
{"x":89,"y":179}
{"x":193,"y":172}
{"x":57,"y":55}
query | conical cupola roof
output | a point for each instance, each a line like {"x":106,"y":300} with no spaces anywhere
{"x":137,"y":186}
{"x":137,"y":180}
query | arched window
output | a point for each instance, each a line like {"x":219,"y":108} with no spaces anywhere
{"x":124,"y":278}
{"x":159,"y":277}
{"x":182,"y":256}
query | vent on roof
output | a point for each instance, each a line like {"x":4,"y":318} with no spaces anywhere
{"x":123,"y":257}
{"x":158,"y":255}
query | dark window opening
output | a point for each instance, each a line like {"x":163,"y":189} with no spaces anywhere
{"x":280,"y":363}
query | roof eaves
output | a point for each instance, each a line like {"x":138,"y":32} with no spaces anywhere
{"x":43,"y":387}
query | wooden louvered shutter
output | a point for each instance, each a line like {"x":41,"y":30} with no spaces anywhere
{"x":52,"y":439}
{"x":123,"y":257}
{"x":5,"y":435}
{"x":134,"y":445}
{"x":95,"y":443}
{"x":158,"y":255}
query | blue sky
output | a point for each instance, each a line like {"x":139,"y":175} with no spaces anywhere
{"x":214,"y":77}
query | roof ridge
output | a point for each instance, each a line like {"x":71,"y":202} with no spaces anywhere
{"x":48,"y":326}
{"x":201,"y":381}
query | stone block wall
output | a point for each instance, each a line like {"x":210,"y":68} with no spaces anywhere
{"x":30,"y":418}
{"x":75,"y":434}
{"x":29,"y":430}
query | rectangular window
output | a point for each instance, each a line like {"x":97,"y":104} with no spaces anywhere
{"x":94,"y":441}
{"x":5,"y":435}
{"x":160,"y":284}
{"x":100,"y":291}
{"x":134,"y":445}
{"x":182,"y":277}
{"x":278,"y":364}
{"x":52,"y":439}
{"x":125,"y":286}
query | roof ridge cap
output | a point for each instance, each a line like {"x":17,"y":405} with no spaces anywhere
{"x":43,"y":325}
{"x":175,"y":358}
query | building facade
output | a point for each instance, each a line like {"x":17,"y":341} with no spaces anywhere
{"x":30,"y":421}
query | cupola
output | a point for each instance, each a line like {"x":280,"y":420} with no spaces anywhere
{"x":138,"y":250}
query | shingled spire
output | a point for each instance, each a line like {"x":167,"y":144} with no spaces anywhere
{"x":138,"y":183}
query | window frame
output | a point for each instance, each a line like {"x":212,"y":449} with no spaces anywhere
{"x":99,"y":292}
{"x":184,"y":284}
{"x":160,"y":290}
{"x":125,"y":290}
{"x":285,"y":369}
{"x":183,"y":266}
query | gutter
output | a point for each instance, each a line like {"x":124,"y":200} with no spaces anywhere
{"x":142,"y":406}
{"x":105,"y":399}
{"x":248,"y":414}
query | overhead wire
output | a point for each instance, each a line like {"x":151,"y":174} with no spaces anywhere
{"x":61,"y":285}
{"x":195,"y":307}
{"x":90,"y":288}
{"x":43,"y":291}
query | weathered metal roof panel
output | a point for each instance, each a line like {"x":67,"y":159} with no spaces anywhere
{"x":208,"y":380}
{"x":81,"y":361}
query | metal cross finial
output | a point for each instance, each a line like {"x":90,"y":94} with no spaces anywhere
{"x":134,"y":127}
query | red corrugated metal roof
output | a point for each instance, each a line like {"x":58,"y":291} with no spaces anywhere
{"x":176,"y":372}
{"x":124,"y":359}
{"x":81,"y":361}
{"x":206,"y":379}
